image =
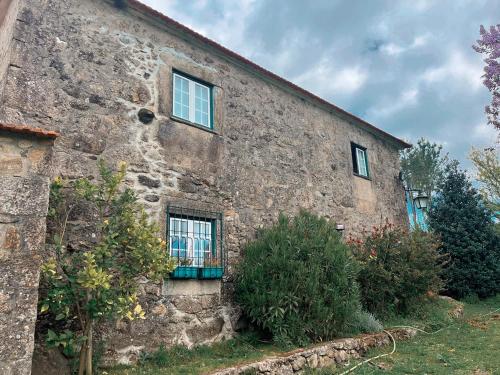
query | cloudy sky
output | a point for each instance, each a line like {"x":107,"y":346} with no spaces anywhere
{"x":405,"y":66}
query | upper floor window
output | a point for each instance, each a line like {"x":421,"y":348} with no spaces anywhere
{"x":359,"y":160}
{"x":192,"y":100}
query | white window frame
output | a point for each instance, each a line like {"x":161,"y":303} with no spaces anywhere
{"x":197,"y":256}
{"x":192,"y":101}
{"x":361,"y":162}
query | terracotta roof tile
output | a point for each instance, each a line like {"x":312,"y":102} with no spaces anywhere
{"x":29,"y":130}
{"x":142,"y":8}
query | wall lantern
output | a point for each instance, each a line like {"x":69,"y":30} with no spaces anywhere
{"x":340,"y":227}
{"x":421,"y":200}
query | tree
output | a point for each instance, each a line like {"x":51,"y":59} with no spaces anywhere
{"x":459,"y":217}
{"x":489,"y":45}
{"x":422,"y":168}
{"x":488,"y":174}
{"x":84,"y":287}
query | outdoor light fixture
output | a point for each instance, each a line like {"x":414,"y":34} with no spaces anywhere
{"x":421,"y":200}
{"x":340,"y":227}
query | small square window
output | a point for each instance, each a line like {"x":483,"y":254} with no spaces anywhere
{"x":195,"y":243}
{"x":359,"y":160}
{"x":192,"y":100}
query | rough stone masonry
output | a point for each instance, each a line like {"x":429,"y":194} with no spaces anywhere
{"x":102,"y":77}
{"x":25,"y":160}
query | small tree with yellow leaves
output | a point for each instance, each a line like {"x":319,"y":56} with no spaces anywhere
{"x":85,"y":286}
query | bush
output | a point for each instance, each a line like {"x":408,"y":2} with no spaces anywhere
{"x":398,"y":268}
{"x":468,"y":237}
{"x":297,"y":280}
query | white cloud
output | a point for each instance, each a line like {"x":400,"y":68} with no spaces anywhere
{"x":484,"y":134}
{"x":408,"y":98}
{"x":457,"y":69}
{"x":393,"y":49}
{"x":325,"y":79}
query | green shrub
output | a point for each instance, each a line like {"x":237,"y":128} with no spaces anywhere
{"x":297,"y":280}
{"x":398,"y":268}
{"x":365,"y":322}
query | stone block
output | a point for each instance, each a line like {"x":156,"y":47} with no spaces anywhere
{"x":11,"y":165}
{"x":24,"y":195}
{"x":11,"y":239}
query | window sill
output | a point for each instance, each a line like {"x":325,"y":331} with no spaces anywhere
{"x":201,"y":127}
{"x":361,"y":176}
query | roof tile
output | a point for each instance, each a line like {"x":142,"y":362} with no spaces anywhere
{"x":29,"y":130}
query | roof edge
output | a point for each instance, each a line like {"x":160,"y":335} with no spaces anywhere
{"x":186,"y":33}
{"x":29,"y":130}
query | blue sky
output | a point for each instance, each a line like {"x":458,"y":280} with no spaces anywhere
{"x":405,"y":66}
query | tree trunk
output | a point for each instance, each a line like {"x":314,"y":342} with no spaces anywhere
{"x":81,"y":364}
{"x":88,"y":367}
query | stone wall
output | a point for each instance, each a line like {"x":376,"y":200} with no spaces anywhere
{"x":24,"y":187}
{"x":8,"y":14}
{"x":331,"y":354}
{"x":86,"y":69}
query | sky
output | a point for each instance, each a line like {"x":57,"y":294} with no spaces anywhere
{"x":405,"y":66}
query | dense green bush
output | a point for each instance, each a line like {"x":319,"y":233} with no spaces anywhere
{"x":297,"y":280}
{"x":458,"y":215}
{"x":398,"y":268}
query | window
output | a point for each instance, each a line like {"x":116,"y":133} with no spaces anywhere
{"x":359,"y":160}
{"x":192,"y":100}
{"x":195,"y":243}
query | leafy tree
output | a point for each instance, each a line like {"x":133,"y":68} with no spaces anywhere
{"x":84,"y":287}
{"x":464,"y":224}
{"x":489,"y":45}
{"x":422,"y":168}
{"x":488,"y":174}
{"x":297,"y":280}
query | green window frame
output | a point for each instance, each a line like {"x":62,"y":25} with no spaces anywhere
{"x":192,"y":100}
{"x":360,"y":160}
{"x":195,"y":243}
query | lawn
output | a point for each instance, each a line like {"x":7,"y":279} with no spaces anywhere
{"x":468,"y":346}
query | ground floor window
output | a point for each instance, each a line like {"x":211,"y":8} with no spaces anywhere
{"x":195,"y":242}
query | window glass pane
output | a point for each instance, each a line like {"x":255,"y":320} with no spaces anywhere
{"x":204,"y":120}
{"x":202,"y":105}
{"x":183,"y":243}
{"x":184,"y":227}
{"x":196,"y":228}
{"x":361,"y":156}
{"x":181,"y":97}
{"x":175,"y":242}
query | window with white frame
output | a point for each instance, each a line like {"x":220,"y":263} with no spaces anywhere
{"x":192,"y":100}
{"x":195,"y":243}
{"x":190,"y":241}
{"x":359,"y":160}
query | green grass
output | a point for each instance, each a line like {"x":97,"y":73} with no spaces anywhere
{"x":469,"y":346}
{"x":462,"y":347}
{"x":202,"y":359}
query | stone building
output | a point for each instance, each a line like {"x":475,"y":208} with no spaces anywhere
{"x":216,"y":145}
